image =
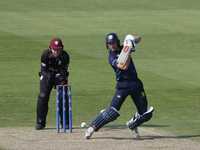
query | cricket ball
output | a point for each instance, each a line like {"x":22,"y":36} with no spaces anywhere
{"x":83,"y":124}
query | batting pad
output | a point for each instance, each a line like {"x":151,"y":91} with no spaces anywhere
{"x":108,"y":115}
{"x":141,"y":119}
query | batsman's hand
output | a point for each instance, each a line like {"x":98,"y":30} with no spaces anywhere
{"x":130,"y":39}
{"x":133,"y":49}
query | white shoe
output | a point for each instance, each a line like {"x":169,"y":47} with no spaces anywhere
{"x":134,"y":132}
{"x":89,"y":132}
{"x":128,"y":122}
{"x":137,"y":115}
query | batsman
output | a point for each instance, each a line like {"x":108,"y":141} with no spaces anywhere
{"x":54,"y":71}
{"x":128,"y":83}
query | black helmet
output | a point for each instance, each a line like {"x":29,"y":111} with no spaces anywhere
{"x":112,"y":37}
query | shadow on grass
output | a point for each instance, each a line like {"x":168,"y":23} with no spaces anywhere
{"x":154,"y":126}
{"x":149,"y":137}
{"x":112,"y":127}
{"x":124,"y":126}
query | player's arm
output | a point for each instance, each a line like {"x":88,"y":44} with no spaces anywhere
{"x":62,"y":76}
{"x":137,"y":39}
{"x":125,"y":65}
{"x":129,"y":46}
{"x":65,"y":65}
{"x":44,"y":64}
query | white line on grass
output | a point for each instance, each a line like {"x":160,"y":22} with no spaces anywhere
{"x":151,"y":132}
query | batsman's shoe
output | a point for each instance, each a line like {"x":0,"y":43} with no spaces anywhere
{"x":89,"y":132}
{"x":128,"y":122}
{"x":39,"y":126}
{"x":135,"y":133}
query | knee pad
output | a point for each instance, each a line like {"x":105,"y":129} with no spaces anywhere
{"x":139,"y":119}
{"x":108,"y":115}
{"x":42,"y":102}
{"x":42,"y":97}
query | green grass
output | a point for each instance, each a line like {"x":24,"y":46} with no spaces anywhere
{"x":167,"y":58}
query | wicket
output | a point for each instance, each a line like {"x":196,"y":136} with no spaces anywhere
{"x":64,"y":107}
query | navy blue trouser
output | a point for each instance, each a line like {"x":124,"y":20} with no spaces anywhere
{"x":135,"y":90}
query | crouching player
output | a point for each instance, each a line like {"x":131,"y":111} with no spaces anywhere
{"x":54,"y":71}
{"x":128,"y":83}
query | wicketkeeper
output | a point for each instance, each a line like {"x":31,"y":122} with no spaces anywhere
{"x":54,"y":71}
{"x":128,"y":83}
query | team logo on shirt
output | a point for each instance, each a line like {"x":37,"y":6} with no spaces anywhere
{"x":43,"y":64}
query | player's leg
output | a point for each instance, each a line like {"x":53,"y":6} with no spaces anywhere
{"x":143,"y":114}
{"x":138,"y":119}
{"x":119,"y":98}
{"x":106,"y":116}
{"x":42,"y":104}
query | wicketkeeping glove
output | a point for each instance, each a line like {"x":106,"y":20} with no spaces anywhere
{"x":50,"y":79}
{"x":60,"y":79}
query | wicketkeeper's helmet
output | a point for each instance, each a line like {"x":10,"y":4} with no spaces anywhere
{"x":56,"y":43}
{"x":112,"y":37}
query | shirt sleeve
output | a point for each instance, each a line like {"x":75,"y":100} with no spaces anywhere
{"x":44,"y":62}
{"x":113,"y":61}
{"x":65,"y":65}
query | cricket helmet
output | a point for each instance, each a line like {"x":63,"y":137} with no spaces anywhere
{"x":56,"y":43}
{"x":112,"y":37}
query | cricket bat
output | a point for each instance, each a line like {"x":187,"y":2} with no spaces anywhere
{"x":125,"y":52}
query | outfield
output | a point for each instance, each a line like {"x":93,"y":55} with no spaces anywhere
{"x":167,"y":59}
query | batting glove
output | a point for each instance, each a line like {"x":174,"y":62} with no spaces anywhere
{"x":130,"y":38}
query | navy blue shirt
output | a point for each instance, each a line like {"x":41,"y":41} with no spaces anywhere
{"x":122,"y":75}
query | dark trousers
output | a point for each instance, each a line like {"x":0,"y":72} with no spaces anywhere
{"x":43,"y":100}
{"x":135,"y":90}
